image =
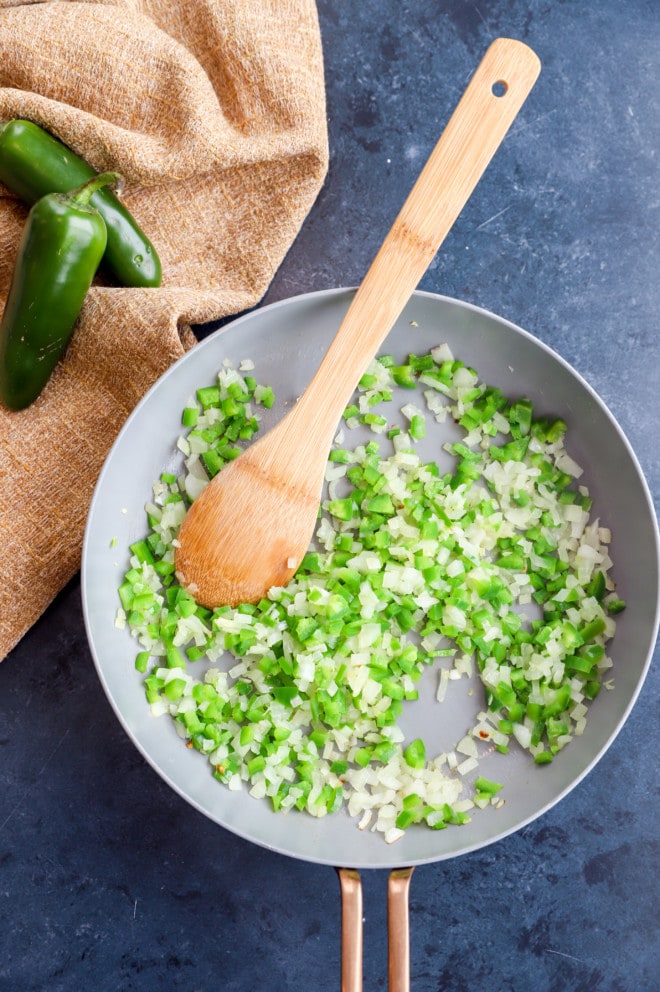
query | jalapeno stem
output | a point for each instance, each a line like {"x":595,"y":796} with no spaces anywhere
{"x":82,"y":194}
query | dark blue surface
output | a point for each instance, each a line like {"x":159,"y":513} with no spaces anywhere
{"x":109,"y":881}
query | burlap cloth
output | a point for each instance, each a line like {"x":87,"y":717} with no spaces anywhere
{"x":214,"y":112}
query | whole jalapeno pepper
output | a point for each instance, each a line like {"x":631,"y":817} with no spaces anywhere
{"x":33,"y":163}
{"x":60,"y":250}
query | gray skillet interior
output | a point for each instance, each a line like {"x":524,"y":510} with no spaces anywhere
{"x":286,"y":341}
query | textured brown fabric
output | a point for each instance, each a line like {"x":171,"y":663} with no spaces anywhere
{"x":214,"y":112}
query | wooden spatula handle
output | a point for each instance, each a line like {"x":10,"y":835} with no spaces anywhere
{"x":475,"y":130}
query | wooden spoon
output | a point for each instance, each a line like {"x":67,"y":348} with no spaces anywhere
{"x":251,"y":526}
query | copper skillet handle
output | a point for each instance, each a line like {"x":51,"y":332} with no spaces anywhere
{"x":351,"y":929}
{"x":398,"y":931}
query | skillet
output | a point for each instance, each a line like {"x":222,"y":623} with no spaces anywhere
{"x":286,"y":340}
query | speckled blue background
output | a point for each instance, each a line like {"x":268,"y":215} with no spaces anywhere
{"x":109,"y":881}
